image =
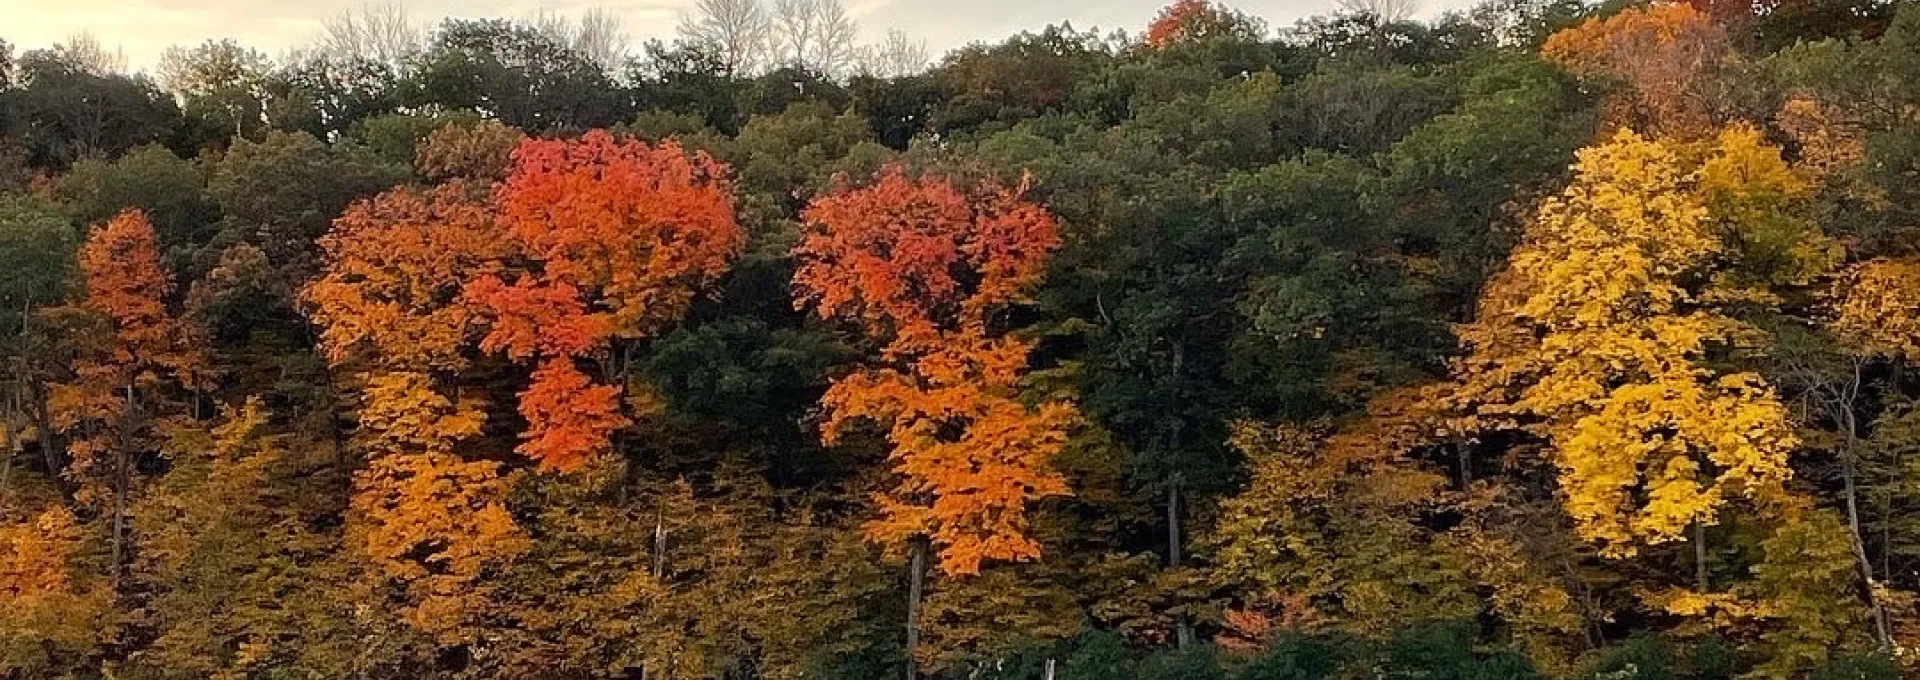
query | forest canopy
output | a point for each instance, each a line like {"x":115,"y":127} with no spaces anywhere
{"x":1544,"y":339}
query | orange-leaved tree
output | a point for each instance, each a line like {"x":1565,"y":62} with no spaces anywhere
{"x":1667,"y":57}
{"x":928,"y":269}
{"x":429,"y":519}
{"x":1186,"y":20}
{"x":124,"y":379}
{"x":614,"y":239}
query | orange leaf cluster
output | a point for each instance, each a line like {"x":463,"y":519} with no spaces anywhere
{"x":34,"y":554}
{"x":642,"y":227}
{"x":125,"y":282}
{"x":1187,"y":20}
{"x":433,"y":523}
{"x":618,"y":237}
{"x":395,"y":265}
{"x":388,"y":304}
{"x":585,"y":241}
{"x":569,"y":419}
{"x":147,"y":349}
{"x":1667,"y":54}
{"x":923,"y":266}
{"x":916,"y":260}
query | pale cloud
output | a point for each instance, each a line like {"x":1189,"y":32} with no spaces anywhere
{"x":143,"y":29}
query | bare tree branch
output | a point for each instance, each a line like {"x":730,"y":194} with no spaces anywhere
{"x":895,"y":57}
{"x":378,"y":31}
{"x":740,"y":31}
{"x":816,"y":35}
{"x":1388,"y":11}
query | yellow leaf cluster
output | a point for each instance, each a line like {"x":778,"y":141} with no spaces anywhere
{"x":433,"y":523}
{"x":1877,"y":307}
{"x":1597,"y":334}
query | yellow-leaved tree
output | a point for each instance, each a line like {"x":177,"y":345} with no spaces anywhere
{"x":1614,"y":335}
{"x":1597,"y":336}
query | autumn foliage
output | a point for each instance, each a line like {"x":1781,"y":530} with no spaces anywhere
{"x":1187,"y":20}
{"x":927,"y":269}
{"x":615,"y":239}
{"x":119,"y":380}
{"x":125,"y":284}
{"x":1534,"y":340}
{"x":393,"y":264}
{"x":1667,"y":57}
{"x":585,"y":242}
{"x":1595,"y":335}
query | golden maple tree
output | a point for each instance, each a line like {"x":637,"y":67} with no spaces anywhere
{"x":1597,"y":335}
{"x":388,"y":303}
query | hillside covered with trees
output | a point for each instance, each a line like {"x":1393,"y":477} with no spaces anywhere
{"x":1541,"y":340}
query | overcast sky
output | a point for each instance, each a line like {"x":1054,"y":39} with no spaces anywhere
{"x":142,"y":29}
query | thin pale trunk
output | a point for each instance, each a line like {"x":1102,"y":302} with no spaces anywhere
{"x":916,"y":588}
{"x":1183,"y":628}
{"x":1881,"y":631}
{"x":659,"y":548}
{"x":1700,"y":555}
{"x":1849,"y":458}
{"x":1049,"y":675}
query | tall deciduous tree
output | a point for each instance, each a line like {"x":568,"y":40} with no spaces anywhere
{"x":620,"y":237}
{"x":428,"y":518}
{"x":929,"y":270}
{"x":1595,"y":331}
{"x":135,"y":375}
{"x":739,"y":32}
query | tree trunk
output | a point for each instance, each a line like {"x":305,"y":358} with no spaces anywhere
{"x":120,"y":483}
{"x":1049,"y":675}
{"x":659,"y":548}
{"x":1700,"y":555}
{"x":8,"y":442}
{"x":119,"y":514}
{"x":1465,"y":457}
{"x":1883,"y":635}
{"x":1183,"y":628}
{"x":916,"y":586}
{"x":49,"y":448}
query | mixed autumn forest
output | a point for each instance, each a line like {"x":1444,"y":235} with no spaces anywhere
{"x":1544,"y":339}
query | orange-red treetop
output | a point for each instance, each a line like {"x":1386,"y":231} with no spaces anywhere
{"x":1189,"y":20}
{"x":585,"y":241}
{"x":640,"y":228}
{"x":913,"y":258}
{"x":125,"y":282}
{"x":921,"y":265}
{"x":120,"y":263}
{"x":617,"y":237}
